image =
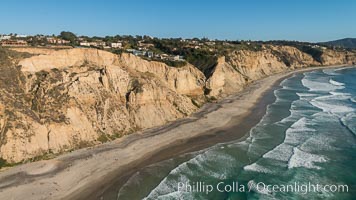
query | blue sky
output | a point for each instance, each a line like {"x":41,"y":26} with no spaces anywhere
{"x":305,"y":20}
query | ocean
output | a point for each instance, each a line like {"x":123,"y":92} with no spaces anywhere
{"x":304,"y":147}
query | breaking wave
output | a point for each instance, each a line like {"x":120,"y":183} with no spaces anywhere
{"x":301,"y":158}
{"x":336,"y":83}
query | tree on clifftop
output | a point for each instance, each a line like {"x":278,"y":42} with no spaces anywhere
{"x":66,"y":35}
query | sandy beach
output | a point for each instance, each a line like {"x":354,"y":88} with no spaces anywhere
{"x":87,"y":173}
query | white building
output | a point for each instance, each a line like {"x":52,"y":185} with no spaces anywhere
{"x":87,"y":44}
{"x":21,"y":36}
{"x":5,"y":37}
{"x":53,"y":40}
{"x":97,"y":43}
{"x":116,"y":45}
{"x":177,"y":58}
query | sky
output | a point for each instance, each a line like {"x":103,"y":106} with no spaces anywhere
{"x":303,"y":20}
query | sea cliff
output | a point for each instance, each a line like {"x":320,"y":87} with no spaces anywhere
{"x":54,"y":101}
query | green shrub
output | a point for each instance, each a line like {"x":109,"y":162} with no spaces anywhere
{"x":103,"y":138}
{"x":3,"y":163}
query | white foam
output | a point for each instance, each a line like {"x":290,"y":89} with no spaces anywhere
{"x":349,"y":121}
{"x":279,"y":99}
{"x":298,"y":132}
{"x":318,"y":143}
{"x":281,"y":152}
{"x":257,"y":168}
{"x":336,"y":83}
{"x":285,"y":81}
{"x":331,"y":107}
{"x":343,"y":94}
{"x":171,"y":195}
{"x":330,"y":72}
{"x":295,"y":135}
{"x":319,"y":86}
{"x":334,"y":103}
{"x":304,"y":159}
{"x":305,"y":94}
{"x":285,"y":120}
{"x":168,"y":185}
{"x":294,"y":116}
{"x":287,"y":87}
{"x":353,"y":100}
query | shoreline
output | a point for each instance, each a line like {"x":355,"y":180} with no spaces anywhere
{"x":87,"y":173}
{"x":223,"y":134}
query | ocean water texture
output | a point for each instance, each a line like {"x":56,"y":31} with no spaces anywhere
{"x":307,"y":135}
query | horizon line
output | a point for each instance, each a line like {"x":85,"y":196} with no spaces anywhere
{"x":186,"y":38}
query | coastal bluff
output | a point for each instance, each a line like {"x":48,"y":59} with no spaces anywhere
{"x":54,"y":101}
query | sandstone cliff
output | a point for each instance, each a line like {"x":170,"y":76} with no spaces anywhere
{"x":79,"y":97}
{"x":330,"y":57}
{"x":54,"y":101}
{"x":232,"y":73}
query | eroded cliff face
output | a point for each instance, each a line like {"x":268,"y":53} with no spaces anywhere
{"x":58,"y":100}
{"x":80,"y":97}
{"x":330,"y":57}
{"x":234,"y":72}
